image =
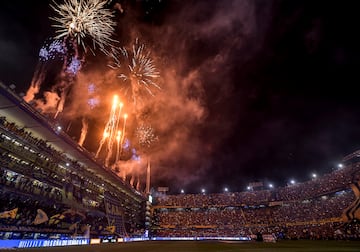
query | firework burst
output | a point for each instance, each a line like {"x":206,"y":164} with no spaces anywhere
{"x":146,"y":136}
{"x":138,"y":69}
{"x":79,"y":19}
{"x":51,"y":50}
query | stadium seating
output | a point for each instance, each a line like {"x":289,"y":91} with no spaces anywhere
{"x":309,"y":210}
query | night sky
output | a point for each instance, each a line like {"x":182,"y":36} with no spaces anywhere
{"x":252,"y":90}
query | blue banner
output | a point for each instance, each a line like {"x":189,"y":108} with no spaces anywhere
{"x":41,"y":243}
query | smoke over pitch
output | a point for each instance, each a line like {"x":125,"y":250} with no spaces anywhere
{"x":238,"y":79}
{"x":194,"y":48}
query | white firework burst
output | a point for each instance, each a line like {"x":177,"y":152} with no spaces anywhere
{"x":138,"y":68}
{"x":146,"y":136}
{"x":80,"y":19}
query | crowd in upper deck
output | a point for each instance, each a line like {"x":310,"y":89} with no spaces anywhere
{"x":32,"y":168}
{"x":312,"y":209}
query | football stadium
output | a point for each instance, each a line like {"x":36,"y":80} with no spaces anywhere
{"x":55,"y":193}
{"x":132,"y":105}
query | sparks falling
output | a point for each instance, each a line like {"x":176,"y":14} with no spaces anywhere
{"x":51,"y":50}
{"x":138,"y":70}
{"x":80,"y":19}
{"x":112,"y":133}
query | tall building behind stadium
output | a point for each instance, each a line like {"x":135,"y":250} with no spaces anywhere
{"x":52,"y":188}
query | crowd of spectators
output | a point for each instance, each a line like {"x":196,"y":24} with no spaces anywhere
{"x":34,"y":175}
{"x":60,"y":219}
{"x":36,"y":167}
{"x":233,"y":199}
{"x":333,"y":182}
{"x":30,"y":166}
{"x":310,"y":210}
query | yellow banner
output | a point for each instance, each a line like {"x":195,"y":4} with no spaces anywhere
{"x":9,"y":214}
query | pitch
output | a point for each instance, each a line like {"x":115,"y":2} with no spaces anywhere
{"x":211,"y":246}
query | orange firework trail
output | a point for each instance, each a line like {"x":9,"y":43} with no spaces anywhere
{"x":112,"y":127}
{"x":118,"y":137}
{"x":118,"y":134}
{"x":112,"y":132}
{"x":124,"y":128}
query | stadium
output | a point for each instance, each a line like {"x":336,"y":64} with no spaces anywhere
{"x":111,"y":109}
{"x":55,"y":193}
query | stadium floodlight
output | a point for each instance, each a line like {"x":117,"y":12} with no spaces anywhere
{"x":292,"y":182}
{"x":314,"y":175}
{"x":271,"y":185}
{"x":226,"y":189}
{"x":182,"y":191}
{"x":203,"y":190}
{"x":249,"y":188}
{"x":340,"y":165}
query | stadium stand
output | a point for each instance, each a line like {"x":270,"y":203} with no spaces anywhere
{"x":46,"y":190}
{"x":51,"y":188}
{"x":309,"y":210}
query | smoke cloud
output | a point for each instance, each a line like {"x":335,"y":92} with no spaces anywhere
{"x":193,"y":47}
